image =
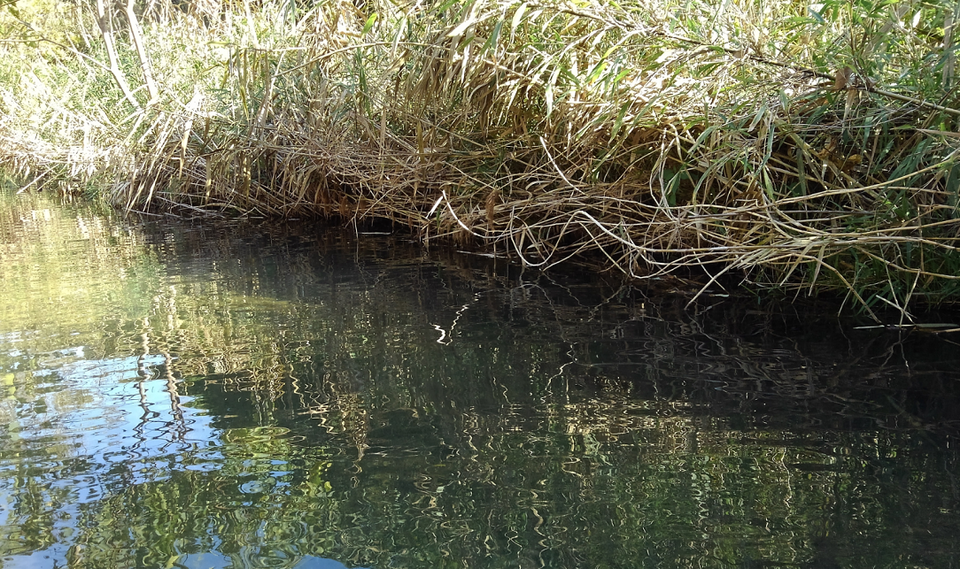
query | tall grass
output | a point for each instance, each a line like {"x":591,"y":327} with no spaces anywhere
{"x":786,"y":145}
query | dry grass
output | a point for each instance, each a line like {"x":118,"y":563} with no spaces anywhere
{"x":653,"y":138}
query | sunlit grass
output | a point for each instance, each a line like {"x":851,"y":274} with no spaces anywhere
{"x":804,"y":147}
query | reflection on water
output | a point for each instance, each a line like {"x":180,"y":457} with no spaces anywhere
{"x":179,"y":395}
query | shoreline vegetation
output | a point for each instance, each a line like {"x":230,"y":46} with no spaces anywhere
{"x":777,"y":144}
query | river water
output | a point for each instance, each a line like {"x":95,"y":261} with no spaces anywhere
{"x":227,"y":394}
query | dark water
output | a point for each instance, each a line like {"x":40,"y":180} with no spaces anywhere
{"x":203,"y":395}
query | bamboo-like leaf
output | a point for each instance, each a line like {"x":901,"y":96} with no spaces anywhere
{"x":768,"y":184}
{"x":597,"y":70}
{"x":491,"y":43}
{"x":757,"y":117}
{"x":460,"y":29}
{"x":801,"y":171}
{"x":518,"y":16}
{"x":368,"y":25}
{"x":619,"y":121}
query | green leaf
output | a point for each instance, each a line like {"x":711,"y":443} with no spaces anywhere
{"x":619,"y":122}
{"x":757,"y":117}
{"x":767,"y":184}
{"x":703,"y":137}
{"x":491,"y":42}
{"x":596,"y":71}
{"x":369,"y":24}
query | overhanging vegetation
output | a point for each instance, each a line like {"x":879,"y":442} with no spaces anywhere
{"x":802,"y":147}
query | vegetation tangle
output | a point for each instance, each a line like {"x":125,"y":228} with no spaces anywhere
{"x":800,"y":146}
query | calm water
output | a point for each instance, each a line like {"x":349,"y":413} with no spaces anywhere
{"x":203,"y":395}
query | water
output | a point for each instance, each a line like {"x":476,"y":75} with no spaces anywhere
{"x":243,"y":395}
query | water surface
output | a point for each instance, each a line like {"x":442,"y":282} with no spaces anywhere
{"x":181,"y":394}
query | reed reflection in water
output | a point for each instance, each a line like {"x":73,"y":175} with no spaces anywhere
{"x":240,"y":395}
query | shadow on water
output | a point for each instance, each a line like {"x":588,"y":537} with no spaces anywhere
{"x":240,"y":395}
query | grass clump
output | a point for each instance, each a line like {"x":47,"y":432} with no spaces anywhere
{"x":802,"y":147}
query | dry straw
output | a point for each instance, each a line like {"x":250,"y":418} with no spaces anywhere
{"x":766,"y":144}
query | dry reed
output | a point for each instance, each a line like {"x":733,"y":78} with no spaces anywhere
{"x":548,"y":132}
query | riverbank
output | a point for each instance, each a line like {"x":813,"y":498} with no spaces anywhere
{"x":803,"y":149}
